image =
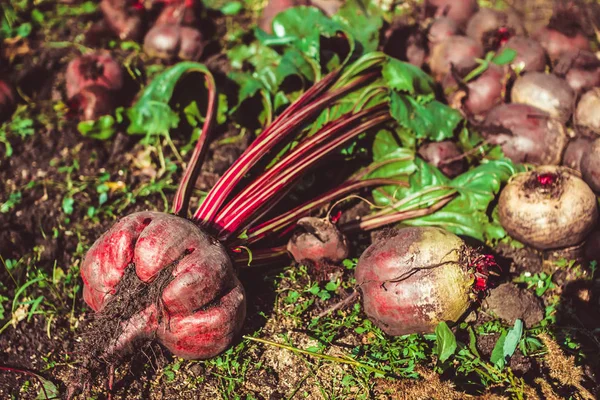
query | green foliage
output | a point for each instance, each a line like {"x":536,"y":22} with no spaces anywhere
{"x":507,"y":344}
{"x":152,"y":114}
{"x":445,"y":342}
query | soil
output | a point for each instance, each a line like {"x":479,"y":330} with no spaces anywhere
{"x":57,"y":163}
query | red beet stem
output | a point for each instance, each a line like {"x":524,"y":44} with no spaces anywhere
{"x":182,"y":197}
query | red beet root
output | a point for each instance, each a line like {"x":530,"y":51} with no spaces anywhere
{"x":319,"y":242}
{"x":590,"y":166}
{"x":556,"y":43}
{"x":530,"y":54}
{"x":169,"y":41}
{"x":549,"y":208}
{"x":93,"y":70}
{"x":526,"y":134}
{"x":123,"y":18}
{"x":581,"y":69}
{"x":485,"y":92}
{"x":444,"y":155}
{"x":457,"y":51}
{"x":441,"y":29}
{"x":457,"y":10}
{"x":546,"y":92}
{"x":92,"y":102}
{"x":587,"y":115}
{"x":492,"y":28}
{"x":203,"y":301}
{"x":413,"y":278}
{"x":574,"y":152}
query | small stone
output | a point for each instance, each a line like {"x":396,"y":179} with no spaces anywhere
{"x":196,"y":369}
{"x":510,"y":303}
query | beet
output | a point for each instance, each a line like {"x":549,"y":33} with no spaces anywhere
{"x":574,"y":152}
{"x":547,"y":92}
{"x":581,"y":69}
{"x":7,"y":100}
{"x":492,"y":28}
{"x":556,"y":43}
{"x":457,"y":10}
{"x":548,"y":208}
{"x":526,"y":134}
{"x":98,"y":69}
{"x":530,"y":56}
{"x":485,"y":92}
{"x":413,"y":278}
{"x":92,"y":102}
{"x":441,"y":29}
{"x":406,"y":43}
{"x":123,"y":18}
{"x":273,"y":8}
{"x":169,"y":41}
{"x":587,"y":115}
{"x":444,"y":155}
{"x":199,"y":303}
{"x":459,"y":51}
{"x":318,"y":243}
{"x":590,"y":166}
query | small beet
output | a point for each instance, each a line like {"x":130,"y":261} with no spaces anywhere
{"x":574,"y":152}
{"x":192,"y":44}
{"x":590,"y":166}
{"x":548,"y":208}
{"x":587,"y":113}
{"x":441,"y":29}
{"x":493,"y":28}
{"x":92,"y":102}
{"x":485,"y":92}
{"x":581,"y":69}
{"x":457,"y":10}
{"x":526,"y":134}
{"x":98,"y":69}
{"x":413,"y":278}
{"x":556,"y":43}
{"x":7,"y":100}
{"x":123,"y":18}
{"x":177,"y":13}
{"x":458,"y":51}
{"x":530,"y":56}
{"x":547,"y":92}
{"x":169,"y":41}
{"x":444,"y":155}
{"x":273,"y":8}
{"x":319,"y":242}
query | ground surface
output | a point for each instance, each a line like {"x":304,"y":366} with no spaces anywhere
{"x":61,"y":190}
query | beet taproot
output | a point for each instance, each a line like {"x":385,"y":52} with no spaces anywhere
{"x":98,"y":69}
{"x":548,"y":208}
{"x":92,"y":102}
{"x":124,"y":18}
{"x":171,"y":41}
{"x":444,"y":155}
{"x":318,"y":243}
{"x":545,"y":91}
{"x":203,"y":302}
{"x":457,"y":10}
{"x":590,"y":166}
{"x":526,"y":133}
{"x":459,"y":52}
{"x":493,"y":28}
{"x":413,"y":278}
{"x":441,"y":29}
{"x":587,"y":114}
{"x":574,"y":152}
{"x":581,"y":69}
{"x":556,"y":43}
{"x":530,"y":56}
{"x":485,"y":92}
